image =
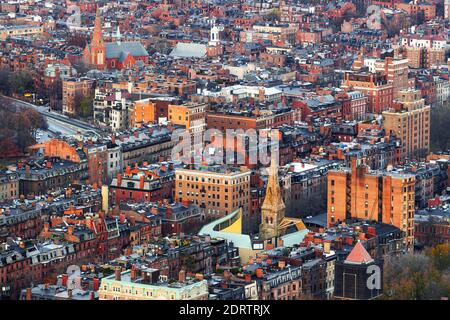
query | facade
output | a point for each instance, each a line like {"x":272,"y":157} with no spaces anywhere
{"x":376,"y":87}
{"x":217,"y":190}
{"x":20,"y":31}
{"x":145,"y":284}
{"x":396,"y":71}
{"x":189,"y":115}
{"x":410,"y":122}
{"x":9,"y":185}
{"x":382,"y":196}
{"x":73,"y":91}
{"x":50,"y":175}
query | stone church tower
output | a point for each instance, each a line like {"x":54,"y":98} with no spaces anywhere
{"x":273,"y":208}
{"x":95,"y":52}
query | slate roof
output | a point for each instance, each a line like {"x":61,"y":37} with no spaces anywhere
{"x":115,"y":50}
{"x":189,"y":50}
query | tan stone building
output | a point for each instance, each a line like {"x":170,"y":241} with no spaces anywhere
{"x":217,"y":190}
{"x":409,"y":120}
{"x":74,"y":90}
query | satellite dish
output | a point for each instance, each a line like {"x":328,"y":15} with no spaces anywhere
{"x":74,"y":280}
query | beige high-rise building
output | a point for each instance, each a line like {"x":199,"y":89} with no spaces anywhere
{"x":409,"y":120}
{"x":217,"y":189}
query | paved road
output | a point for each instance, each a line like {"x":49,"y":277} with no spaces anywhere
{"x":56,"y":122}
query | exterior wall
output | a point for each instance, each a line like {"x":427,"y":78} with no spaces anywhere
{"x":71,"y":89}
{"x":411,"y":124}
{"x":360,"y":194}
{"x":216,"y":194}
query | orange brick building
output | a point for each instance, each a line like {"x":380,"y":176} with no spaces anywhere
{"x":382,"y":196}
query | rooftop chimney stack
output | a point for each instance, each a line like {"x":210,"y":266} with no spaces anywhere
{"x":118,"y":273}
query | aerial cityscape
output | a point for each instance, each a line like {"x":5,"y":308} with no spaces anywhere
{"x":225,"y":150}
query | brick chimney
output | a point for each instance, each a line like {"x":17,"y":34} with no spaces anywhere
{"x":182,"y":276}
{"x":113,"y":139}
{"x":118,"y":273}
{"x":133,"y":273}
{"x":141,"y":182}
{"x":281,"y":264}
{"x":248,"y":277}
{"x":28,"y":294}
{"x":122,"y":218}
{"x":119,"y":179}
{"x":64,"y":279}
{"x":95,"y":284}
{"x":259,"y":273}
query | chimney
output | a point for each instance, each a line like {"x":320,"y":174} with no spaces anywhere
{"x":64,"y":279}
{"x":169,"y":211}
{"x":326,"y":247}
{"x":141,"y":182}
{"x":48,"y":164}
{"x":69,"y":192}
{"x":95,"y":284}
{"x":248,"y":277}
{"x":259,"y":273}
{"x":119,"y":179}
{"x":118,"y":273}
{"x":92,"y":295}
{"x":281,"y":264}
{"x":113,"y":139}
{"x":136,"y":134}
{"x":69,"y":293}
{"x":133,"y":273}
{"x":122,"y":218}
{"x":182,"y":276}
{"x":28,"y":294}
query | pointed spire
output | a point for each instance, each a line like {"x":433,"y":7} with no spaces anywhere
{"x":97,"y":38}
{"x":273,"y":192}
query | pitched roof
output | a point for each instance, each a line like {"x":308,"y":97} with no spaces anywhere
{"x":114,"y":50}
{"x":359,"y":255}
{"x":189,"y":50}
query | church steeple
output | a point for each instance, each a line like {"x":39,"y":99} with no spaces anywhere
{"x":273,"y":208}
{"x":97,"y":38}
{"x":95,"y":52}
